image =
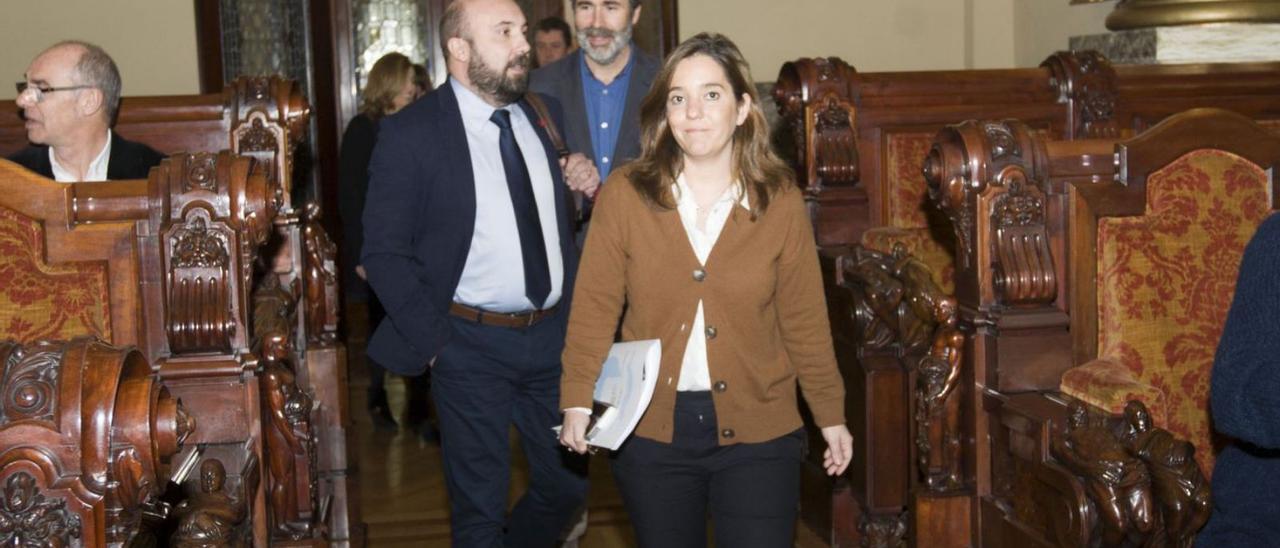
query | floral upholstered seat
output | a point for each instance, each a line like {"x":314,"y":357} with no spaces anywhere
{"x":1165,"y":280}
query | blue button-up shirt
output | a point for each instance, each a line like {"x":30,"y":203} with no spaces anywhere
{"x":605,"y":103}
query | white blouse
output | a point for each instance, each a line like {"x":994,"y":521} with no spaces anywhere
{"x":694,"y":373}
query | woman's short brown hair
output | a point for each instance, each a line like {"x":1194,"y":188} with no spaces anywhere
{"x":756,"y":168}
{"x":387,"y":77}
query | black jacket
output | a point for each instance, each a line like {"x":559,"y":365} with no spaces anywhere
{"x":129,"y":160}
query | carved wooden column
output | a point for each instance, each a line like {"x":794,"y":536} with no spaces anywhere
{"x":988,"y":178}
{"x":1086,"y":82}
{"x":86,"y":438}
{"x":816,"y":101}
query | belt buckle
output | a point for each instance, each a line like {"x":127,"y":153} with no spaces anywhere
{"x":532,"y":318}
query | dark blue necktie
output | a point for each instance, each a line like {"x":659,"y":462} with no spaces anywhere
{"x":533,"y":248}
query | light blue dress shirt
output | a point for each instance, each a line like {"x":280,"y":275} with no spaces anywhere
{"x":493,"y":277}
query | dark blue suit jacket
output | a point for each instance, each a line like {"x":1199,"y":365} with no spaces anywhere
{"x":419,"y":218}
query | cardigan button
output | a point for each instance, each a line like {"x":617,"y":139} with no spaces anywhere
{"x":711,"y":332}
{"x":699,"y":275}
{"x":720,"y":387}
{"x":727,"y":433}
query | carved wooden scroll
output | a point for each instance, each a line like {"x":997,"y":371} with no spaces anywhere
{"x":987,"y":178}
{"x":815,"y":99}
{"x":1085,"y":81}
{"x":124,"y":426}
{"x":268,"y":120}
{"x":219,"y":211}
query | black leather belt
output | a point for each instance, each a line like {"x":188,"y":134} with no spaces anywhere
{"x":501,"y":319}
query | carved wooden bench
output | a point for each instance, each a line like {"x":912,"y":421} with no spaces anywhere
{"x":1094,"y":294}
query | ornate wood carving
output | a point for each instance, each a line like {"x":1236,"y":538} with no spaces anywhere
{"x":1086,"y":82}
{"x":1117,"y":482}
{"x":1023,"y":270}
{"x":28,"y":518}
{"x":1181,"y":491}
{"x":219,"y":211}
{"x":211,"y":517}
{"x":883,"y":531}
{"x":876,"y":297}
{"x":200,"y":309}
{"x":893,"y":299}
{"x":290,"y":448}
{"x":269,"y":119}
{"x":938,"y":444}
{"x":30,"y":382}
{"x":127,"y":427}
{"x":320,"y":279}
{"x":290,"y":451}
{"x":816,"y":101}
{"x":994,"y":168}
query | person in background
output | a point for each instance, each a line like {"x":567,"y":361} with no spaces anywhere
{"x":551,"y":40}
{"x":390,"y":87}
{"x":69,"y":98}
{"x":739,"y":326}
{"x":600,"y":86}
{"x":421,"y":80}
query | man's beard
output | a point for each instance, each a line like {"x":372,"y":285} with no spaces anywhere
{"x":504,"y":89}
{"x":609,"y":52}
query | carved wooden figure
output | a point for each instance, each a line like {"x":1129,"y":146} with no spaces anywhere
{"x":288,"y":437}
{"x":287,"y":412}
{"x":210,"y":517}
{"x":320,"y":279}
{"x":1180,"y":489}
{"x":938,"y":431}
{"x":1117,"y":482}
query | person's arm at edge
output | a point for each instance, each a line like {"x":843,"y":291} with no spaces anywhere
{"x":1245,"y":384}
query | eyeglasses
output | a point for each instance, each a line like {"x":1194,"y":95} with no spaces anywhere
{"x":38,"y":92}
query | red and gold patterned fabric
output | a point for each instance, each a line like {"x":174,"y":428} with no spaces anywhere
{"x":43,"y":301}
{"x":1165,"y":283}
{"x":906,"y":192}
{"x":907,"y":207}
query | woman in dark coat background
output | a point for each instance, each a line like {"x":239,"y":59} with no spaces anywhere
{"x":393,"y":83}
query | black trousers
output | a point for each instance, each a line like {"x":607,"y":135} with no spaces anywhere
{"x":752,"y":490}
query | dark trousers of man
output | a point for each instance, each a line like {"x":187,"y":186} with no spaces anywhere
{"x":484,"y":380}
{"x":752,"y":489}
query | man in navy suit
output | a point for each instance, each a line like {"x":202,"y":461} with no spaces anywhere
{"x":468,"y":244}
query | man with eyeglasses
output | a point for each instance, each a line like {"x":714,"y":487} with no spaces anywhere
{"x":69,"y":102}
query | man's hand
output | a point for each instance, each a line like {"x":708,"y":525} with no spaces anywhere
{"x":361,"y":273}
{"x":839,"y":449}
{"x":573,"y":432}
{"x":580,"y":174}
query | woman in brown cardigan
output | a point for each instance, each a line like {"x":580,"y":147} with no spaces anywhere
{"x":707,"y":242}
